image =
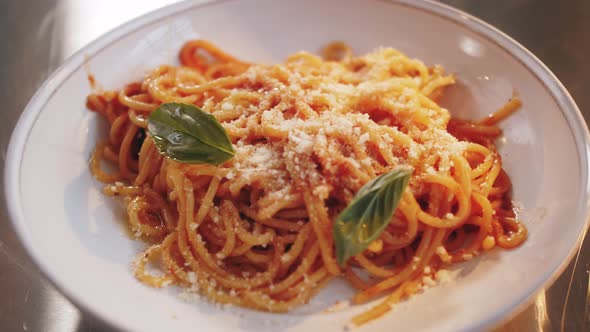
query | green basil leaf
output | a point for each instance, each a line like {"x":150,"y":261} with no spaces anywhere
{"x":369,"y":213}
{"x":189,"y":135}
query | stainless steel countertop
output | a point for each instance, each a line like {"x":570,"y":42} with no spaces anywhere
{"x":38,"y":35}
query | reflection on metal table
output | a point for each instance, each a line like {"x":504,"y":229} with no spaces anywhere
{"x":39,"y":35}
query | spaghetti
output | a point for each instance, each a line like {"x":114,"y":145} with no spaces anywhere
{"x":256,"y":231}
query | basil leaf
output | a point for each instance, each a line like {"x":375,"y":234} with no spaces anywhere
{"x":189,"y":135}
{"x":369,"y":213}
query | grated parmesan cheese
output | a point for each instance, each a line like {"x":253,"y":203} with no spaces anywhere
{"x":467,"y":257}
{"x":303,"y":141}
{"x":443,"y":276}
{"x":443,"y":254}
{"x":285,"y":258}
{"x":192,"y":277}
{"x":261,"y":155}
{"x":227,"y":106}
{"x":428,"y":281}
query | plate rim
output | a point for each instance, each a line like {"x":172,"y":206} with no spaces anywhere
{"x":52,"y":84}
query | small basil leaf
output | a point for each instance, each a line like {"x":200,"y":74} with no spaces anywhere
{"x":187,"y":134}
{"x":369,"y":213}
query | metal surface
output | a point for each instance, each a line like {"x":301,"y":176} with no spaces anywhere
{"x":38,"y":35}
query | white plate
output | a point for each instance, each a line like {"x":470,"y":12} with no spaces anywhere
{"x":77,"y":236}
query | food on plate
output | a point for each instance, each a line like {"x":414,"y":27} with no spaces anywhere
{"x":257,"y":184}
